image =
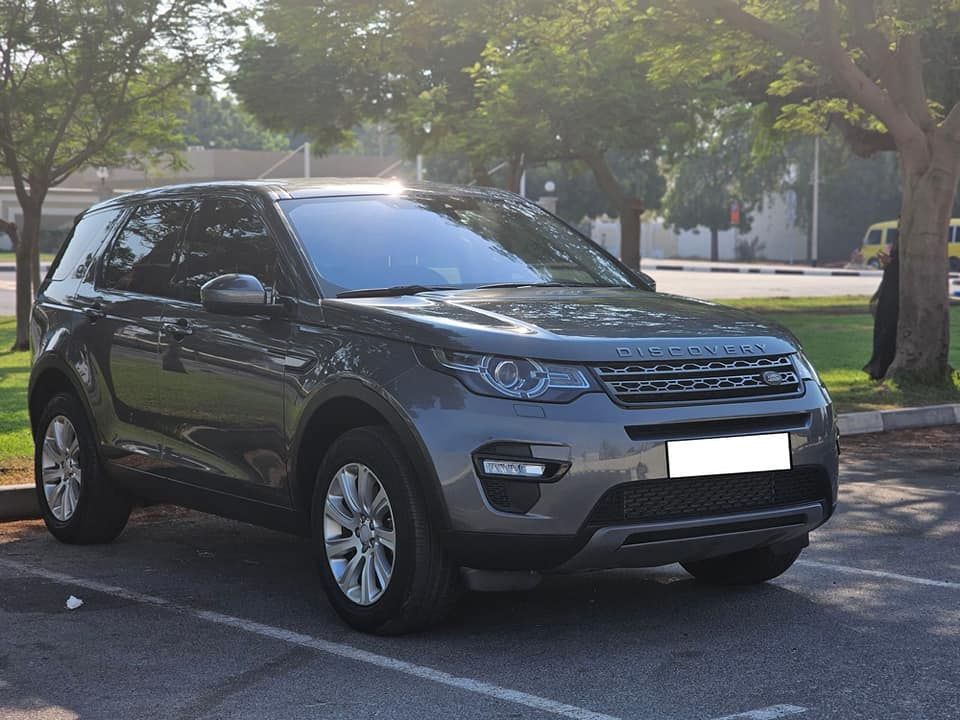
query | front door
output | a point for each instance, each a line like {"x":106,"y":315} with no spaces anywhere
{"x":221,"y":376}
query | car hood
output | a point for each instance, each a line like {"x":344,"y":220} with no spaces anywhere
{"x":562,"y":323}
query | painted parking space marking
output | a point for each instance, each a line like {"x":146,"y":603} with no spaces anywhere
{"x":326,"y":646}
{"x":847,"y":570}
{"x":768,"y":713}
{"x":479,"y":687}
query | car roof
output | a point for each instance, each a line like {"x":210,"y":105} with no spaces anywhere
{"x":286,"y":188}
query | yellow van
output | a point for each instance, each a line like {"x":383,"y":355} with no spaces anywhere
{"x":881,"y":235}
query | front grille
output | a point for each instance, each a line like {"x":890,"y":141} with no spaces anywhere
{"x":669,"y":499}
{"x":666,"y":381}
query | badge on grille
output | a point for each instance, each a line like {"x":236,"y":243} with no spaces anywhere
{"x":772,"y":377}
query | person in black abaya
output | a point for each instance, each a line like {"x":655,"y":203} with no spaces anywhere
{"x":885,"y":319}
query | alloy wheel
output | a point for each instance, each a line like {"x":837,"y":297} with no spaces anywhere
{"x":358,"y":533}
{"x":60,"y":468}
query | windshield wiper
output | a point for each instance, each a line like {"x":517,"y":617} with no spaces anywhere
{"x":568,"y":283}
{"x":392,"y":291}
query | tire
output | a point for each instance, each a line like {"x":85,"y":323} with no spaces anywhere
{"x":873,"y":263}
{"x":422,"y":585}
{"x":96,"y":512}
{"x":749,"y":567}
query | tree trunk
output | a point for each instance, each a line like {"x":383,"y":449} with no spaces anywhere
{"x":929,"y":186}
{"x":630,"y":235}
{"x":629,"y":208}
{"x":35,"y":265}
{"x":29,"y":238}
{"x":714,"y":244}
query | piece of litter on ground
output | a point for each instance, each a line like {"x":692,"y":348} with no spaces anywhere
{"x":73,"y":602}
{"x":204,"y":553}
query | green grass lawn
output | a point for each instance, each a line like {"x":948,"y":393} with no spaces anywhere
{"x":16,"y":445}
{"x":837,"y":333}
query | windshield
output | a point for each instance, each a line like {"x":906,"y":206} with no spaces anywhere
{"x":444,"y":241}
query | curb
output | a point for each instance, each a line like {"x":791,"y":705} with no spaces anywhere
{"x":18,"y":502}
{"x":860,"y":423}
{"x":762,"y":270}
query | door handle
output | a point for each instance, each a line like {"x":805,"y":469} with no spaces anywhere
{"x":94,"y":312}
{"x":177,"y":329}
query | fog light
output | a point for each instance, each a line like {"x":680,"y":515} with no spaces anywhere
{"x":514,"y":468}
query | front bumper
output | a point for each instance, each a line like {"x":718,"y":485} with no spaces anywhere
{"x":606,"y":446}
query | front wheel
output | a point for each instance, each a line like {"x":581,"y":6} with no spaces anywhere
{"x":381,"y":562}
{"x":749,"y":567}
{"x":78,"y":502}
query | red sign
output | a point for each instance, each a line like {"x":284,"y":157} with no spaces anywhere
{"x":735,"y":213}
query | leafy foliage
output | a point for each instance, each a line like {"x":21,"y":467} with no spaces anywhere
{"x":220,"y":123}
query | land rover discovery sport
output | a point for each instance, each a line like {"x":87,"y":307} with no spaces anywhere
{"x":436,"y":384}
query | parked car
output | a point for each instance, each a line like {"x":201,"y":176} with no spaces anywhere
{"x":882,"y":236}
{"x":437,"y":384}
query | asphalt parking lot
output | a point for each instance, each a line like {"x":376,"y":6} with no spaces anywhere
{"x":193,"y":617}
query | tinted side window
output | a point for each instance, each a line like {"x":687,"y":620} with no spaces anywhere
{"x":893,"y":236}
{"x":873,"y":237}
{"x":141,"y":258}
{"x":83,"y":242}
{"x":225,"y":235}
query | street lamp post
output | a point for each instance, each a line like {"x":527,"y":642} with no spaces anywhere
{"x":815,"y":220}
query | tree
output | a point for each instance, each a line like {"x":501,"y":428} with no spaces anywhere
{"x":520,"y":82}
{"x":213,"y":122}
{"x":91,"y":83}
{"x":885,"y":73}
{"x":569,"y":74}
{"x":717,"y":171}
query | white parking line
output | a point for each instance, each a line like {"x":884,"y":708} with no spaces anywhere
{"x":879,"y":574}
{"x":341,"y":650}
{"x":768,"y":713}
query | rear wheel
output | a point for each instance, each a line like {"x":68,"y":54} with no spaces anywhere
{"x":78,"y":502}
{"x":749,"y":567}
{"x":381,"y":562}
{"x":873,"y":263}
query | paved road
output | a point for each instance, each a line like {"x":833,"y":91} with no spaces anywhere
{"x":191,"y":617}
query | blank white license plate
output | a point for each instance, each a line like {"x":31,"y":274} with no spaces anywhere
{"x":723,"y":456}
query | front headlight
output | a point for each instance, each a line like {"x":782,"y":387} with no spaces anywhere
{"x":519,"y":378}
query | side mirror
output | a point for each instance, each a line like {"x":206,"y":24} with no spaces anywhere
{"x":648,"y":282}
{"x":235,"y":294}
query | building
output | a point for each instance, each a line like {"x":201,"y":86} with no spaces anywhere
{"x":773,"y":235}
{"x":83,"y":189}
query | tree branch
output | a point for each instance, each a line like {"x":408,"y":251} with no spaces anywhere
{"x":862,"y":141}
{"x":749,"y":23}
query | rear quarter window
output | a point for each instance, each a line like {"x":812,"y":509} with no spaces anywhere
{"x":82,"y":243}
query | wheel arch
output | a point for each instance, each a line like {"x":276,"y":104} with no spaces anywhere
{"x":50,"y":376}
{"x":350,"y":404}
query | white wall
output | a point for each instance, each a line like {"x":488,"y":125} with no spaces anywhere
{"x":774,"y":224}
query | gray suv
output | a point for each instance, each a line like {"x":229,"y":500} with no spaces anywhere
{"x":438,"y":385}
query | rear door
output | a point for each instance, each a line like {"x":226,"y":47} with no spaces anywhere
{"x":122,"y":306}
{"x":221,"y":376}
